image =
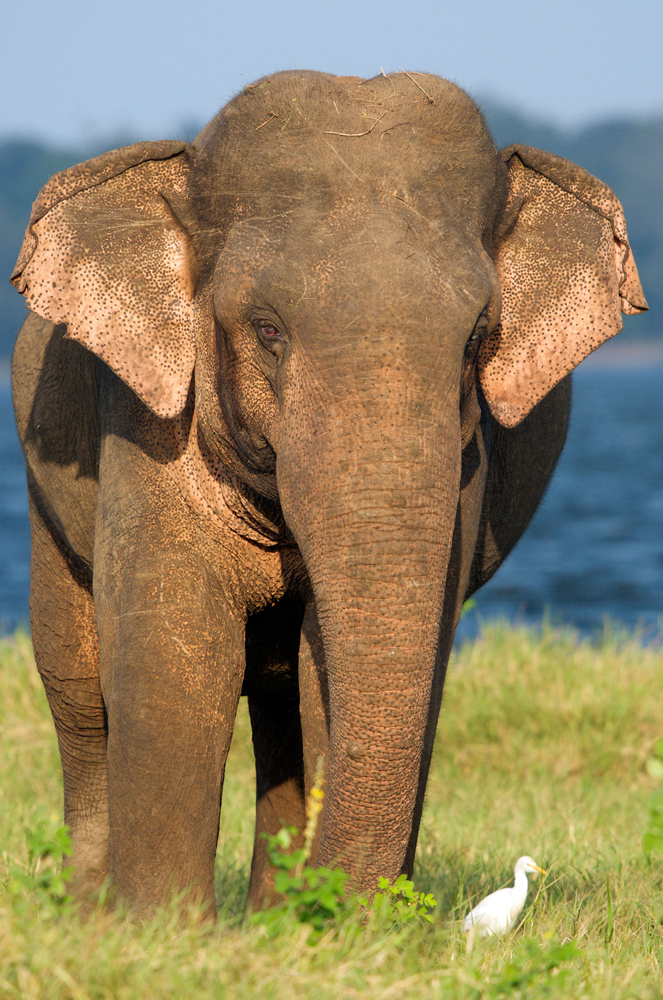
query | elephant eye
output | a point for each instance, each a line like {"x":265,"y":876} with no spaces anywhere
{"x":478,"y":334}
{"x":269,"y":331}
{"x":473,"y":342}
{"x":270,"y":337}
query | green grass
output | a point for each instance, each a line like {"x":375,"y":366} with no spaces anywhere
{"x":542,"y":750}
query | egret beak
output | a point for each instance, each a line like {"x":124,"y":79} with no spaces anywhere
{"x":541,"y":871}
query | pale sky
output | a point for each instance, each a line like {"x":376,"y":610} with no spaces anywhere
{"x":72,"y":71}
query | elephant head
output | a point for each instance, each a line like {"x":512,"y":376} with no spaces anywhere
{"x":350,"y":282}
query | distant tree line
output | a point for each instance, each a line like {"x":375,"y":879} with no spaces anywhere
{"x":627,"y":154}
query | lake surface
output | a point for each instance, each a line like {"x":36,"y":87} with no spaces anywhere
{"x":594,"y":548}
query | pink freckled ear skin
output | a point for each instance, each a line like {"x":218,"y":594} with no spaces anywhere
{"x":566,"y":273}
{"x":104,"y":254}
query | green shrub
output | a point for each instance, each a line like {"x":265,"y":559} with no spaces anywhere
{"x":318,"y":896}
{"x":41,"y":879}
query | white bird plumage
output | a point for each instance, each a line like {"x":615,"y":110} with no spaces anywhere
{"x":498,"y":913}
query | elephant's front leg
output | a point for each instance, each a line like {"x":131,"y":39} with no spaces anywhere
{"x":66,"y":650}
{"x":172,"y":663}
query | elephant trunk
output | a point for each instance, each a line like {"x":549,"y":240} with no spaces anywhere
{"x":372,"y":509}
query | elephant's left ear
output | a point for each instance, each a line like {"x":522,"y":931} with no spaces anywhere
{"x":566,"y":272}
{"x":105,"y":254}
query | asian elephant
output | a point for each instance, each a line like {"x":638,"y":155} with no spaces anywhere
{"x":288,"y":395}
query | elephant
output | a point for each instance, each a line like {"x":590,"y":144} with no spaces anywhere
{"x":288,"y":395}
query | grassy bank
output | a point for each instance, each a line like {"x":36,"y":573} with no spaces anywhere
{"x":542,"y":750}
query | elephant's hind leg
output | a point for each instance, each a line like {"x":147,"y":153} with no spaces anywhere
{"x":273,"y":697}
{"x":67,"y":654}
{"x":277,"y":743}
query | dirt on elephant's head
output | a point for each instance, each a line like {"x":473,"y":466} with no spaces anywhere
{"x":308,"y":139}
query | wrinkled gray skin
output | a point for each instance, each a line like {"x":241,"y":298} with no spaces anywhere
{"x":305,"y":528}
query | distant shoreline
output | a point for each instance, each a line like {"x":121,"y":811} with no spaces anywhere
{"x":614,"y":353}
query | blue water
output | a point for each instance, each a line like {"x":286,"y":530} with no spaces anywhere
{"x":594,"y":548}
{"x":14,"y":524}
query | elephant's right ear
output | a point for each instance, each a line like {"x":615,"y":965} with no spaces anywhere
{"x":105,"y":254}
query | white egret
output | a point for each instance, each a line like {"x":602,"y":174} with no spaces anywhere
{"x":498,"y":913}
